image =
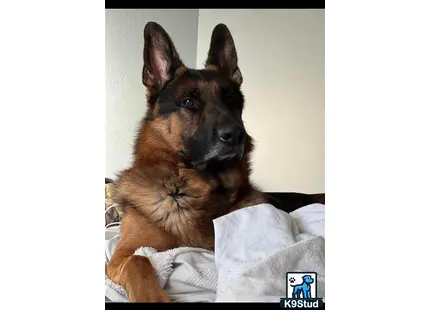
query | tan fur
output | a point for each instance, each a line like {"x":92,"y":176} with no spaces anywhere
{"x":211,"y":67}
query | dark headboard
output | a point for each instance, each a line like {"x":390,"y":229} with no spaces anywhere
{"x":290,"y":201}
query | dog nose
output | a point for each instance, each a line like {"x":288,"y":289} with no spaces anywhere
{"x":232,"y":135}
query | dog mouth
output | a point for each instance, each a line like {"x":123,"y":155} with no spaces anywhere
{"x":215,"y":161}
{"x":218,"y":157}
{"x":226,"y":157}
{"x":224,"y":154}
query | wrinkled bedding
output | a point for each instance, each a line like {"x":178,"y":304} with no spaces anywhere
{"x":249,"y":267}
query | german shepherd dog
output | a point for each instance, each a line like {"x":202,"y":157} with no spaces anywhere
{"x":191,"y":159}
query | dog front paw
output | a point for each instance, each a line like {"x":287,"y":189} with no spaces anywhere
{"x":152,"y":296}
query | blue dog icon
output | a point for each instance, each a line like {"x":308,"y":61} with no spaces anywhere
{"x":303,"y":289}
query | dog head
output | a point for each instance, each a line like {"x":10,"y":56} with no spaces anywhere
{"x":308,"y":279}
{"x":197,"y":113}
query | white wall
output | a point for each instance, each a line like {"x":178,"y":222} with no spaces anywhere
{"x":125,"y":94}
{"x":281,"y":56}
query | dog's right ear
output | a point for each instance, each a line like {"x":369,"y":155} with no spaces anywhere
{"x":222,"y":53}
{"x":161,"y":60}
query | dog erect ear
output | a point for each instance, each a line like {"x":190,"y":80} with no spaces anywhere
{"x":222,"y":53}
{"x":160,"y":57}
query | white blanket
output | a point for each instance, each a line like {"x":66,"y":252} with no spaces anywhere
{"x":254,"y":248}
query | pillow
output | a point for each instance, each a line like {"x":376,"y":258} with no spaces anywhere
{"x":112,"y":212}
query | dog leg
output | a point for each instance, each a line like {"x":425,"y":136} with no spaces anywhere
{"x":137,"y":277}
{"x":135,"y":273}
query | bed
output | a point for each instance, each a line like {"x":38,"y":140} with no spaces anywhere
{"x":250,"y":267}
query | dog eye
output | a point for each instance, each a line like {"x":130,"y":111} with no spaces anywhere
{"x":190,"y":103}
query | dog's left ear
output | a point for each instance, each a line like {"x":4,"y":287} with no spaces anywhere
{"x":222,"y":53}
{"x":161,"y":60}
